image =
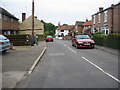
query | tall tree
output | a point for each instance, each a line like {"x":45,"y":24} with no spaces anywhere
{"x":49,"y":28}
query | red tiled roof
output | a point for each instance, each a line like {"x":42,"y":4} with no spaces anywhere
{"x":88,"y":23}
{"x":65,"y":27}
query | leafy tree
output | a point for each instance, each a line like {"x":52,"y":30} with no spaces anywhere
{"x":19,"y":22}
{"x":48,"y":33}
{"x":49,"y":28}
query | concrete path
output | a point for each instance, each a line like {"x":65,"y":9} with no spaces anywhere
{"x":17,"y":62}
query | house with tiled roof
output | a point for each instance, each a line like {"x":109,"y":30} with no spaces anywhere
{"x":9,"y":23}
{"x":87,"y":27}
{"x":107,"y":20}
{"x":78,"y":27}
{"x":63,"y":31}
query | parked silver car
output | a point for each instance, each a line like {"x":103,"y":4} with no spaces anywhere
{"x":4,"y":44}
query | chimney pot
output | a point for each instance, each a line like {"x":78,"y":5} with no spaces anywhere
{"x":100,"y":9}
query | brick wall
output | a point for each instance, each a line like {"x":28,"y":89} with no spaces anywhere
{"x":116,"y":19}
{"x":8,"y":24}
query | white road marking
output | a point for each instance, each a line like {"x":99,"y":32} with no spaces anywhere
{"x":56,"y":54}
{"x":72,"y":50}
{"x":102,"y":70}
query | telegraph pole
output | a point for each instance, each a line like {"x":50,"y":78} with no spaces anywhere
{"x":32,"y":44}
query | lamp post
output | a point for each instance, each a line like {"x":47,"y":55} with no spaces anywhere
{"x":32,"y":44}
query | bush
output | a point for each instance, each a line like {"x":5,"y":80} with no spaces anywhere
{"x":114,"y":35}
{"x":99,"y":34}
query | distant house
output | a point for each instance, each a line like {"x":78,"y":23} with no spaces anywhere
{"x":63,"y":31}
{"x":26,"y":25}
{"x":9,"y":23}
{"x":87,"y":27}
{"x":107,"y":20}
{"x":78,"y":27}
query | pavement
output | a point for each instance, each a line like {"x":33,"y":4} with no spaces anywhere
{"x":109,"y":50}
{"x":18,"y":62}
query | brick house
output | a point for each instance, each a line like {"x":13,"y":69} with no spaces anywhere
{"x":9,"y":23}
{"x":87,"y":27}
{"x":107,"y":20}
{"x":78,"y":27}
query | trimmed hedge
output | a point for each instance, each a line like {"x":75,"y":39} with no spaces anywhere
{"x":19,"y":40}
{"x":111,"y":40}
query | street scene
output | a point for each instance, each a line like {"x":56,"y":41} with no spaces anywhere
{"x":51,"y":46}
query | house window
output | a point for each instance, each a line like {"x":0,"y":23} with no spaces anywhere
{"x":8,"y":32}
{"x":12,"y":20}
{"x":105,"y":30}
{"x":99,"y":18}
{"x":5,"y":17}
{"x":105,"y":16}
{"x":0,"y":16}
{"x":94,"y":19}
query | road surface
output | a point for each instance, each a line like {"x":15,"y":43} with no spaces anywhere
{"x":64,"y":66}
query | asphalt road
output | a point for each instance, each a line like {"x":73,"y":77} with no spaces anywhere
{"x":64,"y":66}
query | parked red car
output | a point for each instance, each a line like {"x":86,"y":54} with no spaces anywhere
{"x":82,"y":41}
{"x":49,"y":38}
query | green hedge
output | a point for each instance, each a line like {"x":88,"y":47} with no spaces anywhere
{"x":19,"y":40}
{"x":111,"y":40}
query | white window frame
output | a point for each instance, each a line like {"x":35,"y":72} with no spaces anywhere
{"x":105,"y":30}
{"x":8,"y":32}
{"x":99,"y":18}
{"x":105,"y":16}
{"x":94,"y":19}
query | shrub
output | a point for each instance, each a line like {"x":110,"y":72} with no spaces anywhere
{"x":110,"y":40}
{"x":114,"y":35}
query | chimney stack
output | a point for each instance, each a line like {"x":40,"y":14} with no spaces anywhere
{"x":86,"y":20}
{"x":100,"y":9}
{"x":23,"y":16}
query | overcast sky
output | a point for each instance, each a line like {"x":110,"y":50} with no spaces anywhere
{"x":54,"y":11}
